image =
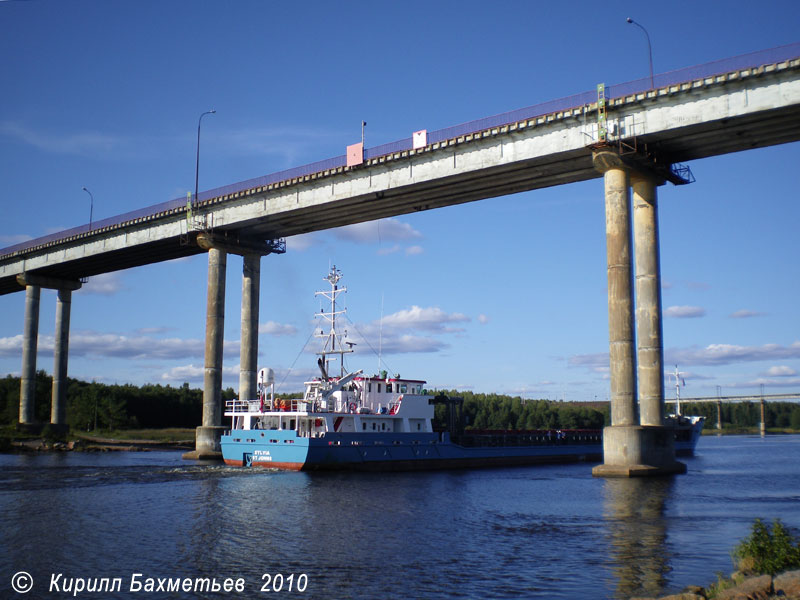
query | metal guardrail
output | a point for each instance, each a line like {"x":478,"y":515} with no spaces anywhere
{"x":744,"y":61}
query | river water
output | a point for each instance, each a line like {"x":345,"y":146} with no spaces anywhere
{"x":523,"y":532}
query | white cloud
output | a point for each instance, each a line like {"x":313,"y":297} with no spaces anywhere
{"x":745,"y":314}
{"x":106,"y":284}
{"x":304,"y":241}
{"x":597,"y":363}
{"x":483,"y":319}
{"x":113,"y":345}
{"x":391,"y":250}
{"x":426,"y":319}
{"x":152,"y":330}
{"x":394,"y":334}
{"x":685,"y":312}
{"x":11,"y":346}
{"x":781,"y":371}
{"x":276,"y":329}
{"x":184,"y":373}
{"x":711,"y":355}
{"x":766,"y":382}
{"x":414,"y":250}
{"x":409,"y":344}
{"x":726,"y":354}
{"x":372,"y":232}
{"x":381,"y":230}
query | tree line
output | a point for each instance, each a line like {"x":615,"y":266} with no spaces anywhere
{"x":92,"y":405}
{"x":494,"y":411}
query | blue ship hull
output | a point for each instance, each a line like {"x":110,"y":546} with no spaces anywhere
{"x":410,"y":451}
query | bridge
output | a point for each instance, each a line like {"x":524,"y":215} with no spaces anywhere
{"x":634,"y":135}
{"x":718,"y":400}
{"x":745,"y":398}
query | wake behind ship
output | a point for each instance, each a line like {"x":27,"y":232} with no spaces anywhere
{"x":378,"y":422}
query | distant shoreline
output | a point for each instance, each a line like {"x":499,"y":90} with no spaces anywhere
{"x":96,"y":445}
{"x":12,"y":442}
{"x":119,"y":443}
{"x":750,"y":431}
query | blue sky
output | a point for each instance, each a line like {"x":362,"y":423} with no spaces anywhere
{"x":505,"y":295}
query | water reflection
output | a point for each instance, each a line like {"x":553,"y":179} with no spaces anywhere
{"x":634,"y":511}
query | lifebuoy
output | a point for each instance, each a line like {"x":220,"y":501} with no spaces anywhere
{"x":352,"y":407}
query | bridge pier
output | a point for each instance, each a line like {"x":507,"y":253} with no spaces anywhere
{"x":248,"y":357}
{"x":207,"y":437}
{"x":637,"y":443}
{"x":58,"y":403}
{"x":30,"y":336}
{"x":649,"y":331}
{"x":27,"y":401}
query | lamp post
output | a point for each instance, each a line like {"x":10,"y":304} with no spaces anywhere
{"x":91,"y":207}
{"x":649,"y":48}
{"x":197,"y":164}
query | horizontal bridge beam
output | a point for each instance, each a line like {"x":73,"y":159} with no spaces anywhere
{"x":682,"y":122}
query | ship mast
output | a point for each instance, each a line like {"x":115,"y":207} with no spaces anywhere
{"x":333,"y":343}
{"x":678,"y":381}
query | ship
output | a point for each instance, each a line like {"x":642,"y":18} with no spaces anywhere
{"x":383,"y":422}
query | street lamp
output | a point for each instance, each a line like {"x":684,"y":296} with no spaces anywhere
{"x":91,"y":207}
{"x":649,"y":48}
{"x":197,"y":164}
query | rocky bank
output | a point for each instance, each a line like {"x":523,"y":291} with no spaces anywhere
{"x":785,"y":586}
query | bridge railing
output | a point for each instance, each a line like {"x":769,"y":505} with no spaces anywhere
{"x":686,"y":74}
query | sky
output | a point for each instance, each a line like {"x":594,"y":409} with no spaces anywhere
{"x":505,"y":295}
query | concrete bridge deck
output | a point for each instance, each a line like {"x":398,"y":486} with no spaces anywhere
{"x":709,"y":113}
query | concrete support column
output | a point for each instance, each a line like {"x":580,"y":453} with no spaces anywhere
{"x":30,"y":338}
{"x":215,"y":330}
{"x":207,"y":436}
{"x":620,"y":289}
{"x":649,"y":336}
{"x":631,"y":448}
{"x":251,"y":281}
{"x":58,"y":406}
